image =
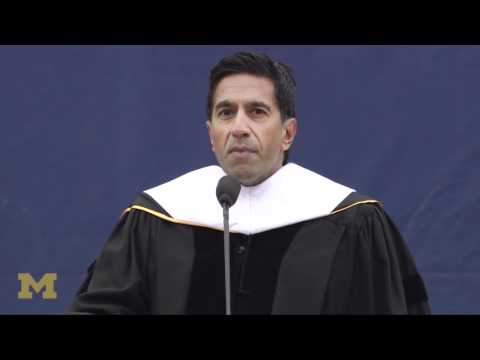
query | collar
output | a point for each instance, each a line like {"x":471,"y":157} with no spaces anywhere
{"x":292,"y":194}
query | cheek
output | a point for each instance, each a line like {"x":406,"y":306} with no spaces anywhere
{"x":273,"y":139}
{"x":217,"y":139}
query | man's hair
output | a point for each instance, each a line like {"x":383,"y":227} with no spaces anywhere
{"x":258,"y":65}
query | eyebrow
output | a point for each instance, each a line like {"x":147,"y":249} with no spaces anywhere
{"x":228,"y":103}
{"x":259,"y":104}
{"x":224,"y":103}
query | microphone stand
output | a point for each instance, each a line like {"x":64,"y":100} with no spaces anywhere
{"x":226,"y":244}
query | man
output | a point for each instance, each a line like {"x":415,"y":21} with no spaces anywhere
{"x":300,"y":243}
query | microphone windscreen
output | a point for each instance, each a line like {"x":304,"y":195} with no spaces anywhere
{"x":228,"y":189}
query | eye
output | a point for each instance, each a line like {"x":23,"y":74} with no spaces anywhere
{"x":259,"y":112}
{"x":224,"y":113}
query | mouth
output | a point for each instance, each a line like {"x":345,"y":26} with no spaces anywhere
{"x":241,"y":150}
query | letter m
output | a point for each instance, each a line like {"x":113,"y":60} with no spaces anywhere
{"x":46,"y":283}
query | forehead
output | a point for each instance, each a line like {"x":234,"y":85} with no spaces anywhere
{"x":244,"y":88}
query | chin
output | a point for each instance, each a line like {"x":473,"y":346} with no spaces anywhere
{"x":248,"y":178}
{"x":244,"y":174}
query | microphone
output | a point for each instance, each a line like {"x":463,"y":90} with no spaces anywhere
{"x":228,"y":189}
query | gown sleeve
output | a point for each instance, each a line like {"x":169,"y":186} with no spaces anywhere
{"x":373,"y":271}
{"x":116,"y":282}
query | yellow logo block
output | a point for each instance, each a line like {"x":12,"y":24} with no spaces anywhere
{"x":46,"y":283}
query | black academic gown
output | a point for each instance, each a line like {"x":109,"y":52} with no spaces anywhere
{"x":353,"y":261}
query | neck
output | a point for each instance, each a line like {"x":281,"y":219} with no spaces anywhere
{"x":260,"y":180}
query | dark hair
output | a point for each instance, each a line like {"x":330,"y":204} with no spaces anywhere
{"x":260,"y":65}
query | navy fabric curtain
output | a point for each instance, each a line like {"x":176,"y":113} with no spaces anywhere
{"x":85,"y":128}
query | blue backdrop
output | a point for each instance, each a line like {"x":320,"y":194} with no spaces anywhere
{"x":85,"y":128}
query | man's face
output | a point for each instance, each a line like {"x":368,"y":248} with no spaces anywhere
{"x":246,"y":131}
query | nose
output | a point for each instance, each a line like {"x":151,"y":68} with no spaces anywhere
{"x":240,"y":126}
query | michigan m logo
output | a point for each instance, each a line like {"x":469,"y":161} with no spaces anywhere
{"x":46,"y":283}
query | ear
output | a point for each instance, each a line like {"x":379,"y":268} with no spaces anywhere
{"x":289,"y":131}
{"x":209,"y":128}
